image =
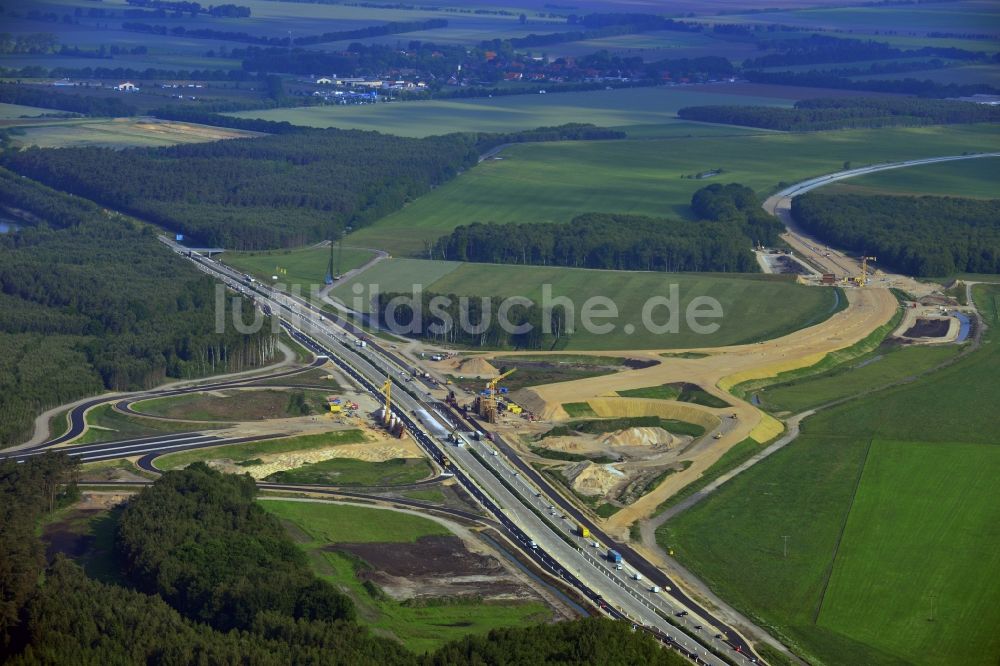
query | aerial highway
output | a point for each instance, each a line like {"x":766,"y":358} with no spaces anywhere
{"x":650,"y":599}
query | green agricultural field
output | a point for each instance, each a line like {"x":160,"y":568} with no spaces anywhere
{"x":657,"y":45}
{"x":304,"y":267}
{"x":922,"y":513}
{"x":419,"y":626}
{"x":252,"y":450}
{"x":964,"y":75}
{"x":607,"y":108}
{"x":868,"y":372}
{"x":13,"y":111}
{"x":682,"y":129}
{"x":889,"y":506}
{"x":348,"y":472}
{"x":968,"y":16}
{"x":977,"y":178}
{"x":754,"y":307}
{"x":554,"y":182}
{"x":119,"y":133}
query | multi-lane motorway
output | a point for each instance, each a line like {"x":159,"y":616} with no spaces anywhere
{"x":513,"y":493}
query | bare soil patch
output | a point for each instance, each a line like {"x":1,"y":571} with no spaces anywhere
{"x":435,"y":567}
{"x":929,"y":328}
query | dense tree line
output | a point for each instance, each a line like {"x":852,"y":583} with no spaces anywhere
{"x":907,"y":86}
{"x":203,"y":117}
{"x":275,"y":191}
{"x":567,"y":132}
{"x":816,"y":49}
{"x":392,"y":28}
{"x":55,"y":614}
{"x":194,"y":8}
{"x":358,"y":59}
{"x":474,"y":322}
{"x":730,"y":222}
{"x":93,"y":302}
{"x":11,"y":93}
{"x":598,"y":26}
{"x":922,"y":236}
{"x":849,"y":112}
{"x":150,"y":73}
{"x":595,"y":240}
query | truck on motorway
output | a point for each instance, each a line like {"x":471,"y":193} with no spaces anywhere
{"x":614,"y":556}
{"x":583,"y":531}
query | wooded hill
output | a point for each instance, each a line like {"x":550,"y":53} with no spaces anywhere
{"x":921,"y":236}
{"x":93,"y":302}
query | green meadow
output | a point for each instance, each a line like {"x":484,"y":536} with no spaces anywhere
{"x":755,"y":307}
{"x":978,"y":178}
{"x":304,"y":266}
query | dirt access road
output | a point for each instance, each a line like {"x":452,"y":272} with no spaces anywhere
{"x":722,"y":367}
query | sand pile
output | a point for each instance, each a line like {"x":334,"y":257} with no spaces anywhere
{"x":534,"y":403}
{"x":640,"y":437}
{"x":590,"y":479}
{"x":477,"y":367}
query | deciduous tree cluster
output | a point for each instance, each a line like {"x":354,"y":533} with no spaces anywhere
{"x":922,"y":236}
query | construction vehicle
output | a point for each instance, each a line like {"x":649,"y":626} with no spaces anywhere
{"x":862,"y":279}
{"x":486,"y":403}
{"x":583,"y":531}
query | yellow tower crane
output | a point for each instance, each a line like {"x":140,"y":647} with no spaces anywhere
{"x":863,"y":278}
{"x":387,"y":392}
{"x":488,"y":402}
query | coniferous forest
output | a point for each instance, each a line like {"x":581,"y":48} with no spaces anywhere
{"x":273,"y":191}
{"x":922,"y":236}
{"x":92,"y":301}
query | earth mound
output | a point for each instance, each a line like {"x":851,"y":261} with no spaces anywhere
{"x":653,"y":436}
{"x":477,"y":367}
{"x":588,"y":478}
